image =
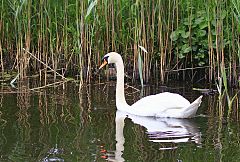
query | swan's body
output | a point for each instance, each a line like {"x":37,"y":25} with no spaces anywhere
{"x":160,"y":105}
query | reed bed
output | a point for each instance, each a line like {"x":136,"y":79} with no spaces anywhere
{"x":185,"y":39}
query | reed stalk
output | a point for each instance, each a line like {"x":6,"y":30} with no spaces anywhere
{"x":73,"y":35}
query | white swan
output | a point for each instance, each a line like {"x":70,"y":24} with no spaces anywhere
{"x":160,"y":105}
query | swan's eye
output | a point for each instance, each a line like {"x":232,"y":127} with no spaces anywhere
{"x":104,"y":62}
{"x":105,"y":59}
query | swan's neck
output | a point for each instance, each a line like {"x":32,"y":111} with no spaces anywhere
{"x":120,"y":97}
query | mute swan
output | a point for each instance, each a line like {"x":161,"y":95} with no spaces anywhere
{"x":160,"y":105}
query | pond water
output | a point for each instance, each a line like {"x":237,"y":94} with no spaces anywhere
{"x":61,"y":124}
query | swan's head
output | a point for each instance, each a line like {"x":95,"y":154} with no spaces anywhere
{"x":110,"y":58}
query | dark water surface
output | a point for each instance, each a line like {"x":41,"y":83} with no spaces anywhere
{"x":60,"y":124}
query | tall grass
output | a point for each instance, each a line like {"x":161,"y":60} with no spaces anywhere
{"x":181,"y":37}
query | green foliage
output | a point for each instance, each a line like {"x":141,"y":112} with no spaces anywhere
{"x":236,"y":10}
{"x":77,"y":32}
{"x":90,"y":8}
{"x":191,"y":38}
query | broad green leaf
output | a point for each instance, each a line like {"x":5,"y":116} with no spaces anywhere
{"x":174,"y":36}
{"x":186,"y":23}
{"x":214,"y":23}
{"x":180,"y":55}
{"x":214,"y":32}
{"x":199,"y":20}
{"x":201,"y":63}
{"x":186,"y":48}
{"x":185,"y":34}
{"x":199,"y":56}
{"x":223,"y":14}
{"x":201,"y":33}
{"x":226,"y":42}
{"x":194,"y":48}
{"x":203,"y":25}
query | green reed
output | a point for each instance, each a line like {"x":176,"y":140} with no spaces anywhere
{"x":181,"y":36}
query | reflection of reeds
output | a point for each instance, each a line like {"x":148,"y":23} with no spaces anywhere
{"x":60,"y":112}
{"x":23,"y":103}
{"x":82,"y":122}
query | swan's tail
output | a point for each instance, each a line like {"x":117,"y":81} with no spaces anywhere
{"x":191,"y":110}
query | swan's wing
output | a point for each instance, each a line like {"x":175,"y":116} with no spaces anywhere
{"x":162,"y":101}
{"x":162,"y":105}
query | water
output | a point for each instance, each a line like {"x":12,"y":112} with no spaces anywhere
{"x":60,"y":124}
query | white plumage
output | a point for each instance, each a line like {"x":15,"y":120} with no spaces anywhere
{"x":160,"y":105}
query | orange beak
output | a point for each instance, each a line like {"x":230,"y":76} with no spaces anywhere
{"x":103,"y":64}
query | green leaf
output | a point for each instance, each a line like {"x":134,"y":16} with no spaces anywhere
{"x":203,"y":25}
{"x":199,"y":20}
{"x":226,"y":42}
{"x":90,"y":7}
{"x":200,"y":55}
{"x":186,"y":23}
{"x":214,"y":23}
{"x":224,"y":76}
{"x":237,"y":17}
{"x":186,"y":48}
{"x":214,"y":32}
{"x":201,"y":33}
{"x":201,"y":63}
{"x":174,"y":35}
{"x":185,"y":34}
{"x":223,"y":14}
{"x":181,"y":56}
{"x":180,"y":31}
{"x":194,"y":48}
{"x":236,"y":6}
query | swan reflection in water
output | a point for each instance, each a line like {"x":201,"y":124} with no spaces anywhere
{"x":52,"y":155}
{"x":161,"y":130}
